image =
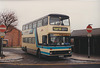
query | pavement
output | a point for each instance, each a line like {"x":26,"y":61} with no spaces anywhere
{"x":13,"y":57}
{"x":10,"y":57}
{"x":84,"y":57}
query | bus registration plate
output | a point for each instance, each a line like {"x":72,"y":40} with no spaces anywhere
{"x":61,"y":56}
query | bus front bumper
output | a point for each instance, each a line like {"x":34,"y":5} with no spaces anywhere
{"x":58,"y":53}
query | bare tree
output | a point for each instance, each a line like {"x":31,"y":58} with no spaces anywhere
{"x":8,"y":18}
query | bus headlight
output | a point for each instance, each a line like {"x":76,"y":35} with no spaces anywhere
{"x":50,"y":52}
{"x":69,"y":52}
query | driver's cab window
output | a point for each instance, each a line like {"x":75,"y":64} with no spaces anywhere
{"x":44,"y":40}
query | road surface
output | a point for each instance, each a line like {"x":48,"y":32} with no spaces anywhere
{"x":31,"y":61}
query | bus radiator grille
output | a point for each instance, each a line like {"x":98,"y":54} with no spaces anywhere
{"x":60,"y":52}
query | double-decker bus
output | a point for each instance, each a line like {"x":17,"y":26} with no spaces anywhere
{"x":49,"y":36}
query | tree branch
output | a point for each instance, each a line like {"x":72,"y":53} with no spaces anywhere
{"x":8,"y":19}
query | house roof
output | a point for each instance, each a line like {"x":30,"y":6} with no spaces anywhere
{"x":95,"y":32}
{"x":13,"y":27}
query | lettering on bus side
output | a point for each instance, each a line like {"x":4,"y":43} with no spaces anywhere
{"x":60,"y":29}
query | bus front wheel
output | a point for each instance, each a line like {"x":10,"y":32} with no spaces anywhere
{"x":39,"y":54}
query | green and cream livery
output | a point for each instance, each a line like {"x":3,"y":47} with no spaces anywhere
{"x":49,"y":35}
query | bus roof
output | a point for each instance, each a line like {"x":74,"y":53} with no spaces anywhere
{"x":58,"y":15}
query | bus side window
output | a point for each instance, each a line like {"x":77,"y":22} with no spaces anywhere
{"x":30,"y":40}
{"x":39,"y":23}
{"x":44,"y":40}
{"x":27,"y":40}
{"x":23,"y":28}
{"x":27,"y":27}
{"x":33,"y":40}
{"x":45,"y":21}
{"x":24,"y":40}
{"x":30,"y":26}
{"x":34,"y":25}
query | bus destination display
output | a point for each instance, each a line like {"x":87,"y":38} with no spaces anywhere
{"x":60,"y":29}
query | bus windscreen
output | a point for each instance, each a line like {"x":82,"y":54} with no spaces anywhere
{"x":59,"y":21}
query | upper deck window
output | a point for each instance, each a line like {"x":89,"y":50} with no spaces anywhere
{"x":39,"y":23}
{"x":34,"y":25}
{"x":23,"y":28}
{"x":27,"y":27}
{"x":65,"y":22}
{"x":59,"y":21}
{"x":45,"y":21}
{"x":30,"y":26}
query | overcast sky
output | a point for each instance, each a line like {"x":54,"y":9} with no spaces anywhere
{"x":81,"y":12}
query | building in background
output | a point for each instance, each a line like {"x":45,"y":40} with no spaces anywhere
{"x":81,"y":41}
{"x":13,"y":37}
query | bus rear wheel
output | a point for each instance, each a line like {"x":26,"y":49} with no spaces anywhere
{"x":25,"y":49}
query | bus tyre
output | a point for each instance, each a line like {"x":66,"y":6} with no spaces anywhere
{"x":39,"y":54}
{"x":25,"y":49}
